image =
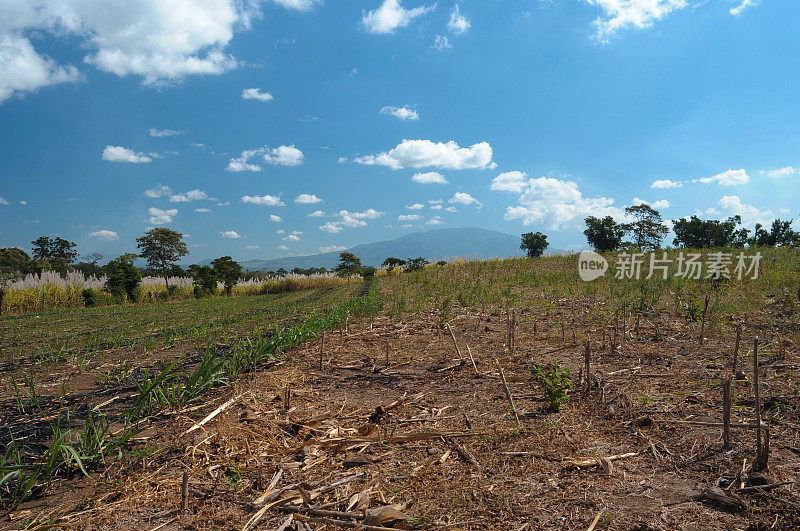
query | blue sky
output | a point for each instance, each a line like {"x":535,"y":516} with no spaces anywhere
{"x":234,"y":122}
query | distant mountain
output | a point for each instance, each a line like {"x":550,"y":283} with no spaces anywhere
{"x":436,"y":244}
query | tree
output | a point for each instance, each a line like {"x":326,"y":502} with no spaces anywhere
{"x":88,"y":266}
{"x":534,"y":243}
{"x":14,"y":260}
{"x":122,"y":279}
{"x":161,"y":248}
{"x":57,"y":252}
{"x":415,"y":264}
{"x":646,"y":230}
{"x":228,"y":271}
{"x":206,"y":282}
{"x":604,"y":234}
{"x":696,"y":233}
{"x":779,"y":235}
{"x":393,"y":262}
{"x":349,"y":264}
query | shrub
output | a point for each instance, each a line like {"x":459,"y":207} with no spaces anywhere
{"x":89,"y":297}
{"x":555,"y":380}
{"x":206,"y":282}
{"x":122,"y":279}
{"x":368,"y":272}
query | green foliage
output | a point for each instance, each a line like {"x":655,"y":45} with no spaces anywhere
{"x":392,"y":262}
{"x":603,"y":235}
{"x":646,"y":230}
{"x":415,"y":264}
{"x":780,"y":234}
{"x":555,"y":380}
{"x":161,"y":248}
{"x":228,"y":271}
{"x":89,"y":297}
{"x":57,"y":252}
{"x":15,"y":261}
{"x":696,"y":233}
{"x":368,"y":272}
{"x":349,"y":265}
{"x":534,"y":244}
{"x":122,"y":280}
{"x":205,"y":282}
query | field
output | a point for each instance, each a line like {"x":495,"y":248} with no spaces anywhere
{"x":455,"y":397}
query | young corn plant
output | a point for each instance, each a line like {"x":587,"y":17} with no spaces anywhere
{"x":555,"y":381}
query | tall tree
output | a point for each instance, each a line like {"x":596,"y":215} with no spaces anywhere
{"x":228,"y":271}
{"x":647,"y":229}
{"x":696,"y":233}
{"x":780,"y":234}
{"x":604,"y":234}
{"x":534,"y":243}
{"x":393,"y":262}
{"x":14,"y":260}
{"x":58,"y":252}
{"x":349,"y":264}
{"x":415,"y":264}
{"x":161,"y":248}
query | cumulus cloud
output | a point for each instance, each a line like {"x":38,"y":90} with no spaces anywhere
{"x":275,"y":219}
{"x":436,"y":220}
{"x":349,"y":219}
{"x":292,"y":238}
{"x":159,"y":190}
{"x":280,"y":156}
{"x":158,"y":133}
{"x":191,"y":195}
{"x":727,"y":178}
{"x":390,"y":16}
{"x":263,"y":200}
{"x":660,"y":204}
{"x":408,"y":217}
{"x":307,"y":199}
{"x":451,"y":209}
{"x":404,"y":113}
{"x":105,"y":235}
{"x":256,"y":94}
{"x":283,"y":247}
{"x":510,"y":181}
{"x":431,"y":177}
{"x":332,"y":248}
{"x":331,"y":228}
{"x":732,"y":205}
{"x":160,"y":217}
{"x":666,"y":183}
{"x":422,"y":153}
{"x":230,"y":234}
{"x":558,"y":205}
{"x":159,"y":40}
{"x":122,"y":154}
{"x":623,"y":14}
{"x":457,"y":23}
{"x":317,"y":214}
{"x":202,"y":210}
{"x":780,"y":173}
{"x":299,"y":5}
{"x":415,"y":206}
{"x":463,"y":198}
{"x":4,"y":201}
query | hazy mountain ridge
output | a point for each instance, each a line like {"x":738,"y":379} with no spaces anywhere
{"x":435,"y":244}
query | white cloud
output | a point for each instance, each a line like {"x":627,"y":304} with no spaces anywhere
{"x":105,"y":235}
{"x":436,"y":207}
{"x":159,"y":40}
{"x":779,"y":173}
{"x":330,"y":227}
{"x":440,"y":42}
{"x":281,"y":156}
{"x":463,"y":198}
{"x":341,"y":160}
{"x":737,"y":10}
{"x":434,"y":221}
{"x":307,"y":199}
{"x":731,"y":205}
{"x":332,"y":248}
{"x":727,"y":178}
{"x":23,"y":203}
{"x":390,"y":16}
{"x":661,"y":203}
{"x":415,"y":206}
{"x":299,"y":5}
{"x":510,"y":181}
{"x":263,"y":200}
{"x":317,"y":214}
{"x":191,"y":195}
{"x":158,"y":191}
{"x":457,"y":23}
{"x":121,"y":154}
{"x":230,"y":234}
{"x":431,"y":177}
{"x":409,"y":217}
{"x":351,"y":220}
{"x":666,"y":183}
{"x":297,"y":232}
{"x":559,"y":205}
{"x":280,"y":231}
{"x":251,"y":247}
{"x":283,"y":247}
{"x":275,"y":219}
{"x":422,"y":153}
{"x":158,"y":133}
{"x":160,"y":217}
{"x":451,"y":209}
{"x":256,"y":94}
{"x":622,"y":14}
{"x":292,"y":238}
{"x":22,"y":69}
{"x":435,"y":202}
{"x":202,"y":210}
{"x":404,"y":113}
